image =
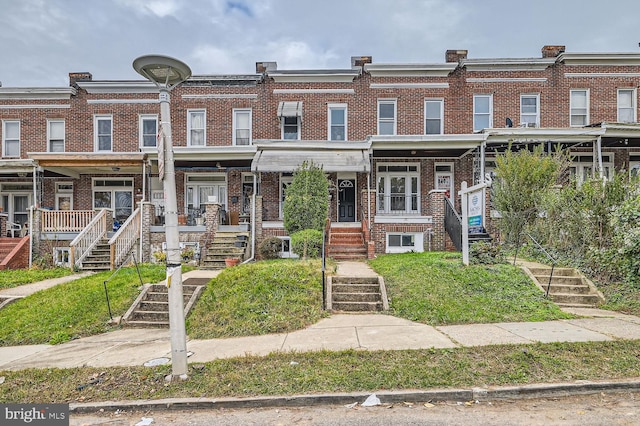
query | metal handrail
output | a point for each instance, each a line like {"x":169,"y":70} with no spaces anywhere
{"x":453,"y":223}
{"x":553,"y":262}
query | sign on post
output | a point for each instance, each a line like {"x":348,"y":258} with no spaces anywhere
{"x":472,"y":200}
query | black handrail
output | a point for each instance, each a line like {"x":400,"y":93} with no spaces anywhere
{"x":324,"y":267}
{"x":106,"y":292}
{"x":553,"y":262}
{"x":453,"y":224}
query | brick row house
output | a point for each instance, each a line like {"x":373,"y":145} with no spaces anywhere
{"x":396,"y":142}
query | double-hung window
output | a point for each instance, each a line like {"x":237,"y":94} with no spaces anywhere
{"x":290,"y":114}
{"x":579,"y":107}
{"x":242,"y":126}
{"x":398,"y":188}
{"x":626,"y":105}
{"x":433,"y":116}
{"x":55,"y":135}
{"x":11,"y":138}
{"x":482,"y":112}
{"x":337,"y":122}
{"x":103,"y":131}
{"x":530,"y":110}
{"x":148,"y":131}
{"x":196,"y":131}
{"x":387,"y":123}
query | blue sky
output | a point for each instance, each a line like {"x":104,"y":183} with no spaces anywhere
{"x":43,"y":40}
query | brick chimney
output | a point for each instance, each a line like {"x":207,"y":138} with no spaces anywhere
{"x":360,"y":61}
{"x":552,"y":51}
{"x":262,"y":67}
{"x":74,"y":77}
{"x":456,"y":55}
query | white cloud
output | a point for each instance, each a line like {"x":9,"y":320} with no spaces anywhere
{"x":159,"y":8}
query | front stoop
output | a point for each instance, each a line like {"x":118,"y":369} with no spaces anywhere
{"x":99,"y":259}
{"x":356,"y":294}
{"x":569,"y":288}
{"x":225,"y":245}
{"x":347,"y":244}
{"x":151,"y":308}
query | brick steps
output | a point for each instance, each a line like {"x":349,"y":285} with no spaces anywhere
{"x":347,"y":244}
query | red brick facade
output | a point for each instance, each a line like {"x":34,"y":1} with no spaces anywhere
{"x":549,"y":79}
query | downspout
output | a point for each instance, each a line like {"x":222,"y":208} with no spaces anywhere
{"x":483,"y":146}
{"x":35,"y":203}
{"x":369,"y":196}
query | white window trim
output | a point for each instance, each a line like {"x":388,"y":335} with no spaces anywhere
{"x":587,"y":108}
{"x":141,"y":120}
{"x":64,"y":133}
{"x":299,"y":127}
{"x":96,"y":140}
{"x":287,"y":254}
{"x":537,"y":114}
{"x":283,"y":179}
{"x":578,"y":167}
{"x":204,"y":123}
{"x":106,"y":188}
{"x":418,"y":243}
{"x":235,"y":125}
{"x":385,"y":208}
{"x":194,"y":180}
{"x":4,"y":138}
{"x":386,"y":120}
{"x":483,"y":95}
{"x":634,"y":107}
{"x":331,"y":107}
{"x":441,"y":102}
{"x":634,"y":165}
{"x":451,"y":172}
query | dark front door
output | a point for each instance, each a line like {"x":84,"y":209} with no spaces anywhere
{"x":346,"y":200}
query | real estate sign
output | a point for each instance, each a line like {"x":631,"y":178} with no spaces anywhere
{"x":475,"y":210}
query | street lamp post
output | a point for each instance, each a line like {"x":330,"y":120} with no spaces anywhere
{"x":166,"y":73}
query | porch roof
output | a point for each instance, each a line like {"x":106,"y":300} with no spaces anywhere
{"x":10,"y":166}
{"x":74,"y":164}
{"x":287,"y":156}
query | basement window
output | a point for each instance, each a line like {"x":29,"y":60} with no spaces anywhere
{"x":404,"y":242}
{"x":61,"y":256}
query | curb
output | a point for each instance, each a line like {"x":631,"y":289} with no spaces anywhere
{"x":386,"y":397}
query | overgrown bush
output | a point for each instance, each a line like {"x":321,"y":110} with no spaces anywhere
{"x":270,"y":248}
{"x":306,"y":204}
{"x":485,"y":253}
{"x":307,"y":243}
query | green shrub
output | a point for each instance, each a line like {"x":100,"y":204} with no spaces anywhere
{"x":485,"y":253}
{"x":307,"y":243}
{"x":270,"y":248}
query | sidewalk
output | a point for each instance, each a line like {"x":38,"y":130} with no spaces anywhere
{"x":131,"y":347}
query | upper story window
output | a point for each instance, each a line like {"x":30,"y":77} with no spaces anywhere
{"x":103,"y":132}
{"x":148,"y":131}
{"x":242,"y":126}
{"x":482,"y":112}
{"x":433,"y":116}
{"x":196,"y":132}
{"x":290,"y":114}
{"x":55,"y":135}
{"x":579,"y":107}
{"x":387,"y":117}
{"x":337,"y":122}
{"x":530,"y":110}
{"x":11,"y":138}
{"x":626,"y":105}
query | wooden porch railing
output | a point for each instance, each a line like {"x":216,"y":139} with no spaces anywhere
{"x":121,"y":243}
{"x":65,"y":221}
{"x":81,"y":246}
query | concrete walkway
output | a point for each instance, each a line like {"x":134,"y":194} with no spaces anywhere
{"x":131,"y":347}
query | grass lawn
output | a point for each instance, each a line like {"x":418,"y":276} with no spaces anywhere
{"x":434,"y":288}
{"x":275,"y":296}
{"x":17,"y":277}
{"x":74,"y":309}
{"x":324,"y":371}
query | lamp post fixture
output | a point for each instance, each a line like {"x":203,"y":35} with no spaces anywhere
{"x":166,"y":73}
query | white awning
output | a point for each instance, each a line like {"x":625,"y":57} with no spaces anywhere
{"x":352,"y":160}
{"x":290,"y":109}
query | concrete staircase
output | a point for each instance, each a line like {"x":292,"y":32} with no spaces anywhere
{"x":347,"y":244}
{"x":100,"y":257}
{"x":356,"y":294}
{"x":224,"y":245}
{"x":569,"y":288}
{"x":151,"y":308}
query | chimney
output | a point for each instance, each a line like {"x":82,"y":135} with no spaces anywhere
{"x":359,"y":61}
{"x":262,"y":67}
{"x":552,"y":51}
{"x":74,"y":77}
{"x":456,"y":55}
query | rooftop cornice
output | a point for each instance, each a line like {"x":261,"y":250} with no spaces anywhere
{"x":35,"y":93}
{"x":279,"y":144}
{"x":123,"y":86}
{"x":595,"y":58}
{"x":314,"y":76}
{"x":393,"y":142}
{"x":508,"y":64}
{"x":410,"y":70}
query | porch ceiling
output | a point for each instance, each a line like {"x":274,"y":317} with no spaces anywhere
{"x":75,"y":164}
{"x":332,"y":159}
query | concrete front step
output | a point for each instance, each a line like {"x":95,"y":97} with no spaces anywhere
{"x":567,"y":289}
{"x":559,"y":279}
{"x":340,"y":297}
{"x":557,"y":272}
{"x":151,"y":309}
{"x":357,"y":306}
{"x":563,"y":299}
{"x":355,"y":288}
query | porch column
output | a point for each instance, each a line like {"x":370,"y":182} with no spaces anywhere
{"x":211,"y":220}
{"x":436,"y":199}
{"x":258,"y":220}
{"x":147,"y":218}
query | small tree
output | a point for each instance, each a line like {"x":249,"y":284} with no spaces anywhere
{"x":306,"y":204}
{"x":523,"y":180}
